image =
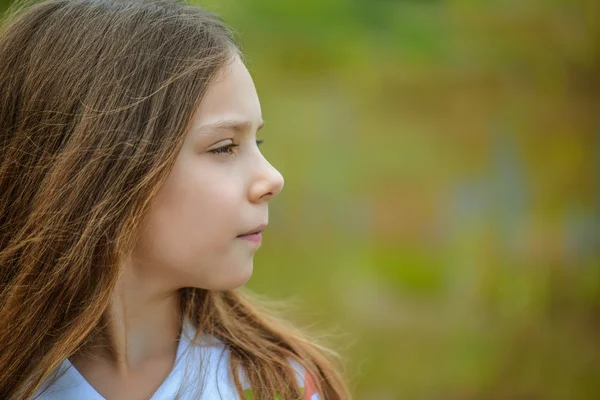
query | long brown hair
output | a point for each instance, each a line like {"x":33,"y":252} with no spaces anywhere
{"x":96,"y":97}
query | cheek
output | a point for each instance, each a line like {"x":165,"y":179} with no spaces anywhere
{"x":193,"y":222}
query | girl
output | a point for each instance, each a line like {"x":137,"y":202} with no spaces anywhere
{"x":132,"y":197}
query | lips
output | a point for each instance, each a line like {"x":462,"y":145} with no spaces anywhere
{"x":258,"y":229}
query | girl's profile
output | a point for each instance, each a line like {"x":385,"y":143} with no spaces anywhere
{"x":132,"y":197}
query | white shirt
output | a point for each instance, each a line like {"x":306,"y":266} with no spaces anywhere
{"x":201,"y":372}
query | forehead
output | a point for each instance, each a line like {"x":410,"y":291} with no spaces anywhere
{"x":231,"y":95}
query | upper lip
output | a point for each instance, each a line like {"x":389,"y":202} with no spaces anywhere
{"x":258,"y":229}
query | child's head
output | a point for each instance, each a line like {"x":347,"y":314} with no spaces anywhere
{"x":127,"y":143}
{"x":218,"y":189}
{"x":108,"y":96}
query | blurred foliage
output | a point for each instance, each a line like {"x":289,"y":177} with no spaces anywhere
{"x":442,"y":198}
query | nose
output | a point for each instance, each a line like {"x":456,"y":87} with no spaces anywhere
{"x":268,"y":184}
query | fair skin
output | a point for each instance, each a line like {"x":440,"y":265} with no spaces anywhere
{"x":190,"y":239}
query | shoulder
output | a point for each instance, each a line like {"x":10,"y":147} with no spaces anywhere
{"x":65,"y":383}
{"x":218,"y":360}
{"x":305,"y":381}
{"x":211,"y":357}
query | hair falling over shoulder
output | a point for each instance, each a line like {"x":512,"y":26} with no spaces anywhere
{"x":91,"y":98}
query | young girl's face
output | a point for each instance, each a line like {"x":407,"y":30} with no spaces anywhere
{"x":190,"y":238}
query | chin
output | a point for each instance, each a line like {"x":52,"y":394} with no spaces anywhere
{"x":240,"y":280}
{"x":233,"y":280}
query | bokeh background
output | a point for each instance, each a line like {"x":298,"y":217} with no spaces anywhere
{"x":441,"y":213}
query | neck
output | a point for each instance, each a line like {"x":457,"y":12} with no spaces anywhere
{"x":141,"y":324}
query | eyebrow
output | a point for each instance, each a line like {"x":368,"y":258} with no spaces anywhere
{"x":228,"y":125}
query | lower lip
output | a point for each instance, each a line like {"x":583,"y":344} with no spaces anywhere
{"x":255,"y":237}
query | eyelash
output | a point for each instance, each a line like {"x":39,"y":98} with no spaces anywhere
{"x":224,"y":150}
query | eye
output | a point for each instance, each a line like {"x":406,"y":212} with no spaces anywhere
{"x":226,"y":149}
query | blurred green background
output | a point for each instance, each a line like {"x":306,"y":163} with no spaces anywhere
{"x":441,"y":212}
